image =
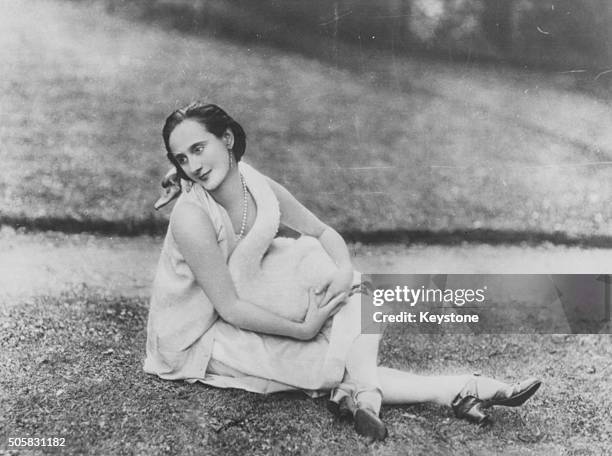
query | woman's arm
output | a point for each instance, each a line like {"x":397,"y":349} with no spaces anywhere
{"x":197,"y":242}
{"x":297,"y":217}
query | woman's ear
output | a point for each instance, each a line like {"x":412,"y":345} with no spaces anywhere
{"x":228,"y":138}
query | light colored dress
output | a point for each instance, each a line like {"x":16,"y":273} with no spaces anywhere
{"x":187,"y":340}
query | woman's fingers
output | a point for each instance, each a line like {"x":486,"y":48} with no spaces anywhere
{"x":323,"y":293}
{"x":335,"y":303}
{"x":315,"y":299}
{"x":336,"y":310}
{"x":322,"y":288}
{"x":317,"y":313}
{"x":341,"y":281}
{"x":312,"y":295}
{"x":332,"y":290}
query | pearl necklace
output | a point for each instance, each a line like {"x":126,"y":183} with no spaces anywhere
{"x":245,"y":205}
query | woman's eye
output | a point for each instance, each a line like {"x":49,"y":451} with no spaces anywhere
{"x":181,"y":160}
{"x":198,"y":149}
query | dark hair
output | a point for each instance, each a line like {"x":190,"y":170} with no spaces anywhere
{"x":211,"y":117}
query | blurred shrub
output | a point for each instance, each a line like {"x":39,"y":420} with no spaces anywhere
{"x":563,"y":32}
{"x":549,"y":32}
{"x":558,"y":33}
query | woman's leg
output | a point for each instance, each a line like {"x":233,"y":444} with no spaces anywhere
{"x":362,"y":370}
{"x":361,"y":374}
{"x":400,"y":387}
{"x":363,"y":387}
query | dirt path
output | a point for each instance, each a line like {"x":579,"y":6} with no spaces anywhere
{"x":49,"y":263}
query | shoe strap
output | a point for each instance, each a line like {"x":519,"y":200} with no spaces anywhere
{"x":366,"y":389}
{"x":342,"y":391}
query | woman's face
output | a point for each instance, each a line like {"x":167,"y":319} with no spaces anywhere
{"x":203,"y":156}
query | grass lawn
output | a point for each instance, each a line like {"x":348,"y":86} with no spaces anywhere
{"x":71,"y":367}
{"x":378,"y":142}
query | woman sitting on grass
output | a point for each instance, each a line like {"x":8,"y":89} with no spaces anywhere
{"x":234,"y":306}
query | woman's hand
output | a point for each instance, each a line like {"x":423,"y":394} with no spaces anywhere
{"x":340,"y":283}
{"x":319,"y":312}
